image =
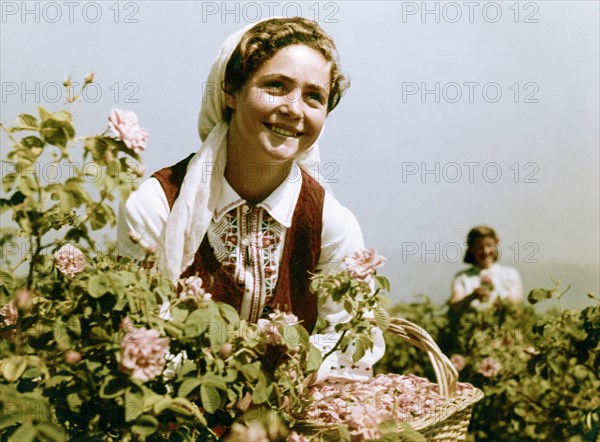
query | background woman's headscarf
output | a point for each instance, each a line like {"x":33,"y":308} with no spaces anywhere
{"x":193,"y":209}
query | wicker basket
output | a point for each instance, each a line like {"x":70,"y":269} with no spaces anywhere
{"x":448,"y":424}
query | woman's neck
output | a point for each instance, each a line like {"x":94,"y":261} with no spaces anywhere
{"x":252,"y":180}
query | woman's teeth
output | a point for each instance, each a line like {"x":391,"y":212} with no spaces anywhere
{"x":284,"y":132}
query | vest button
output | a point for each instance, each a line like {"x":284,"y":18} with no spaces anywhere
{"x":246,"y":241}
{"x":245,"y":208}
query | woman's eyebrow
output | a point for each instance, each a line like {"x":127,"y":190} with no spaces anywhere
{"x":289,"y":79}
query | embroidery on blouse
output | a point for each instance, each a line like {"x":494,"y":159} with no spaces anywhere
{"x":248,"y":243}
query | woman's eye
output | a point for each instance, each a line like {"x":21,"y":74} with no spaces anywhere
{"x":315,"y":96}
{"x":274,"y":87}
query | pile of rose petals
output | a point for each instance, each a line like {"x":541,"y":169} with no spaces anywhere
{"x":362,"y":406}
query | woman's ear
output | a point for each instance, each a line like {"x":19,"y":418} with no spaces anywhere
{"x":230,"y":100}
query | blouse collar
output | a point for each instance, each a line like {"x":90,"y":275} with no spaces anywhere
{"x":280,"y":204}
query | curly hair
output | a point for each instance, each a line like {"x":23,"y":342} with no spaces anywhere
{"x":476,"y":234}
{"x":261,"y":42}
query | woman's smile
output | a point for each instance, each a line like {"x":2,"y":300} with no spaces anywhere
{"x":284,"y":131}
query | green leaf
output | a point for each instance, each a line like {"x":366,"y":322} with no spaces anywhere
{"x":13,"y":367}
{"x":27,"y":120}
{"x":7,"y":280}
{"x":539,"y":294}
{"x":383,"y":283}
{"x":250,"y":371}
{"x":8,"y":181}
{"x":52,"y":432}
{"x":210,"y":397}
{"x":197,"y":323}
{"x":214,"y":381}
{"x":24,"y":433}
{"x":10,"y":418}
{"x":382,"y":318}
{"x":229,"y":313}
{"x":315,"y":359}
{"x":183,"y":406}
{"x":32,"y":142}
{"x":57,"y":133}
{"x":162,"y":404}
{"x":134,"y":403}
{"x":388,"y":427}
{"x":262,"y":393}
{"x":188,"y":386}
{"x":112,"y":387}
{"x":98,"y":285}
{"x":145,"y":425}
{"x":359,"y":350}
{"x":409,"y":434}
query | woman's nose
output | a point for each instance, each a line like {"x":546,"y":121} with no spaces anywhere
{"x":292,"y":105}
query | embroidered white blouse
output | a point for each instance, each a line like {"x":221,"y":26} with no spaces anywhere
{"x":506,"y":283}
{"x":248,"y":242}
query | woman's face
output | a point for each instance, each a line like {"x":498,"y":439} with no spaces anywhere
{"x":485,"y":252}
{"x":280,"y":111}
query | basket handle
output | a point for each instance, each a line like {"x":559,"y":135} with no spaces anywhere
{"x":445,"y":372}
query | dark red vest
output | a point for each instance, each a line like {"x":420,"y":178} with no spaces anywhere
{"x":301,"y":252}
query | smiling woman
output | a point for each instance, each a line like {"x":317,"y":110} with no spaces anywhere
{"x":246,"y":213}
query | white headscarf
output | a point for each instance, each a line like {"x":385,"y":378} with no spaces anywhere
{"x":193,"y":209}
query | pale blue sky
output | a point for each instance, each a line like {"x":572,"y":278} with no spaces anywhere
{"x":512,"y":141}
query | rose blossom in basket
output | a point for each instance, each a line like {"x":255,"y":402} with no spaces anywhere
{"x":489,"y":367}
{"x":362,"y":264}
{"x":124,"y":125}
{"x":69,"y":260}
{"x":143,"y":353}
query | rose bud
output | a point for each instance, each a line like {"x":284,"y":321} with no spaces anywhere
{"x":72,"y":357}
{"x":89,"y":78}
{"x":134,"y":237}
{"x":24,"y":300}
{"x":225,"y":350}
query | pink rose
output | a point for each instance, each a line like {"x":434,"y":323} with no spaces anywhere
{"x":288,"y":318}
{"x":10,"y":313}
{"x":192,"y":287}
{"x":458,"y":361}
{"x":124,"y":125}
{"x":363,"y":263}
{"x":72,"y":357}
{"x":69,"y":260}
{"x":143,"y":353}
{"x":489,"y":367}
{"x":151,"y":249}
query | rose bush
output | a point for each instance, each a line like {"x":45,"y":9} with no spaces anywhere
{"x":538,"y":371}
{"x":97,"y":347}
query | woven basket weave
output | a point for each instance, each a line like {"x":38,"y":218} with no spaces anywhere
{"x":448,"y":423}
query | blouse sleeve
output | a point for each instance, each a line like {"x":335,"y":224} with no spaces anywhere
{"x":341,"y":236}
{"x":144,"y":214}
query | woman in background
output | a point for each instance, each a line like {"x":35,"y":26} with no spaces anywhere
{"x":485,"y":281}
